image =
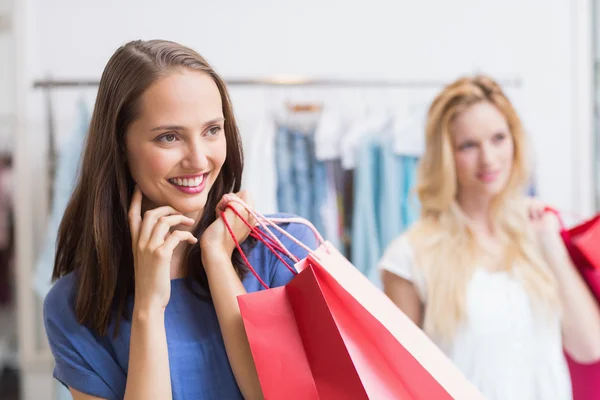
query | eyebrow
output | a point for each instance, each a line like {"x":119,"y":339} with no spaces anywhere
{"x":181,"y":128}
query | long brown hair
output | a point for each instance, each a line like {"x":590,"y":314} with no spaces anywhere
{"x":446,"y":248}
{"x":94,"y":238}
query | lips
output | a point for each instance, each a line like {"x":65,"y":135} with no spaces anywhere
{"x":488,"y":176}
{"x":188,"y":181}
{"x":191,"y":184}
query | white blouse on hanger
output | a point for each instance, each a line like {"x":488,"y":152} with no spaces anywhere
{"x":502,"y":347}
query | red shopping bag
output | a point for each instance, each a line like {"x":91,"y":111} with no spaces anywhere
{"x":311,"y":340}
{"x":314,"y":339}
{"x":583,"y":244}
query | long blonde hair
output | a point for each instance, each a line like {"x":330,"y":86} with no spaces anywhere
{"x":446,"y":249}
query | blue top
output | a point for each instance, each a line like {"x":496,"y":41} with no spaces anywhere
{"x":198,"y":362}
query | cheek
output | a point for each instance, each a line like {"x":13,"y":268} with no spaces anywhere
{"x":220,"y":153}
{"x":509,"y":151}
{"x":465,"y":165}
{"x":150,"y":164}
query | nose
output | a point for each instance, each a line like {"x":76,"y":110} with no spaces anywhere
{"x":196,"y":156}
{"x":486,"y":155}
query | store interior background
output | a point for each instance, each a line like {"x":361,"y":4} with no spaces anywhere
{"x":546,"y":52}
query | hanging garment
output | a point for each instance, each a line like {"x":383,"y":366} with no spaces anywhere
{"x":391,"y":196}
{"x":301,"y":172}
{"x":319,"y":195}
{"x":52,"y":153}
{"x":330,"y":214}
{"x":6,"y":233}
{"x":329,"y":132}
{"x":66,"y":173}
{"x":410,"y":205}
{"x":365,"y":238}
{"x":384,"y":183}
{"x":260,"y":176}
{"x":286,"y":200}
{"x":409,"y":134}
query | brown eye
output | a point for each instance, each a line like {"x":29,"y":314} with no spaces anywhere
{"x":466,"y":145}
{"x":499,"y":137}
{"x":168,"y":138}
{"x":214,"y":131}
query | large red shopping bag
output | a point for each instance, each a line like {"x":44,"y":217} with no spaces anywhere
{"x":316,"y":339}
{"x":317,"y":342}
{"x":583,"y":244}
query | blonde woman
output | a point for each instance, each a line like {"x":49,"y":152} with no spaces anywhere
{"x":484,"y":271}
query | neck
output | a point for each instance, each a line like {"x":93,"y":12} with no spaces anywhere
{"x":478,"y":210}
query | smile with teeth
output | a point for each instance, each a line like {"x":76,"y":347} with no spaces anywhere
{"x":188,"y":182}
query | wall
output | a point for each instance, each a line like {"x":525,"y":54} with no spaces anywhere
{"x":6,"y":77}
{"x":427,"y":40}
{"x":385,"y":39}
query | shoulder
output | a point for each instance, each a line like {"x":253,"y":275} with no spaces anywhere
{"x":399,"y":259}
{"x":399,"y":254}
{"x":80,"y":360}
{"x":60,"y":300}
{"x":295,"y":226}
{"x":269,"y":265}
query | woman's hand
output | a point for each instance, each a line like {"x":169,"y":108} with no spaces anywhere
{"x":543,"y":221}
{"x":216,"y":239}
{"x":545,"y":225}
{"x":153,"y":244}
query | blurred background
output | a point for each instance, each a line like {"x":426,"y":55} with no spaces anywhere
{"x":346,"y":59}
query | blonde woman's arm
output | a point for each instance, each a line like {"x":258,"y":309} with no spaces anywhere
{"x":580,"y":311}
{"x":398,"y":274}
{"x":404,"y":294}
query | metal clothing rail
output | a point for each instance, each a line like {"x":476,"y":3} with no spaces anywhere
{"x":291,"y":81}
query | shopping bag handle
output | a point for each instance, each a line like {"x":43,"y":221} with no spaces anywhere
{"x":267,"y":237}
{"x":265,"y":222}
{"x":254,"y":231}
{"x":558,"y":215}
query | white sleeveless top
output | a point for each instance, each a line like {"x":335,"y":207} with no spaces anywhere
{"x":502,"y":347}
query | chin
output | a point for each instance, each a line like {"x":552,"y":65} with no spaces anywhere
{"x":495,"y":189}
{"x":187,"y":207}
{"x":187,"y":204}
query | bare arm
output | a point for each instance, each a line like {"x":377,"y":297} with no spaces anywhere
{"x":154,"y":240}
{"x":580,"y":312}
{"x":77,"y":395}
{"x":404,"y":295}
{"x":217,"y":247}
{"x":221,"y":275}
{"x":148,"y":376}
{"x":581,"y":316}
{"x":148,"y":373}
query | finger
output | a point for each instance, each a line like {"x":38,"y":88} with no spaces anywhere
{"x":532,"y":213}
{"x":134,"y":215}
{"x":246,"y":197}
{"x":164,"y":225}
{"x":233,"y":218}
{"x":173,"y":241}
{"x":539,"y":210}
{"x":150,"y":219}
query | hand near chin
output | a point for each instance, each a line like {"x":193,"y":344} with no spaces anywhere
{"x":153,"y":244}
{"x":216,"y":241}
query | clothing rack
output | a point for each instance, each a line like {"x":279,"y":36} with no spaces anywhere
{"x":279,"y":81}
{"x":272,"y":81}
